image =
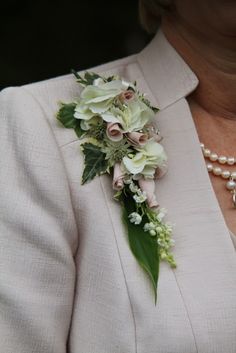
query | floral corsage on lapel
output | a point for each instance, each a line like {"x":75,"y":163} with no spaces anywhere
{"x":121,"y":138}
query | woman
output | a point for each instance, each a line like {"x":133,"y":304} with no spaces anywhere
{"x":69,"y":282}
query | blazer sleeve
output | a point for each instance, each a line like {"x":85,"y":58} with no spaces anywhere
{"x":38,"y":233}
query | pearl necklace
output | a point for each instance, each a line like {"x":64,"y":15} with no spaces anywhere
{"x":223,"y":173}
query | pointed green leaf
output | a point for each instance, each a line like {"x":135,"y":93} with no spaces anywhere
{"x":66,"y":115}
{"x":95,"y":162}
{"x":79,"y":132}
{"x":110,"y":78}
{"x":90,"y":77}
{"x":75,"y":73}
{"x":156,"y":110}
{"x":143,"y":246}
{"x":80,"y":79}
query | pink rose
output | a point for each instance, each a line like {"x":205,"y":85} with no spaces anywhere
{"x":137,"y":138}
{"x":118,"y":177}
{"x":114,"y":132}
{"x":148,"y":185}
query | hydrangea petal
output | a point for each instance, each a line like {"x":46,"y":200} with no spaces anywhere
{"x":109,"y":118}
{"x":135,"y":165}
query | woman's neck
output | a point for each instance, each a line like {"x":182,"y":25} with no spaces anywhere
{"x":213,"y":60}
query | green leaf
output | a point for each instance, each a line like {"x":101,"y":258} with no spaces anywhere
{"x":110,"y":78}
{"x":79,"y":132}
{"x":66,"y":116}
{"x":75,"y":73}
{"x":117,"y":196}
{"x":143,"y":246}
{"x":90,"y":77}
{"x":156,"y":110}
{"x":79,"y":78}
{"x":130,"y":88}
{"x":95,"y":162}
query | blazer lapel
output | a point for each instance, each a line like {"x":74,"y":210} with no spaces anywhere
{"x":204,"y":251}
{"x":169,"y":80}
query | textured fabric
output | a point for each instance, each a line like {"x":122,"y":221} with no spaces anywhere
{"x":68,"y":280}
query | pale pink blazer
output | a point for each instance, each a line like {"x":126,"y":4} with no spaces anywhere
{"x":68,"y":280}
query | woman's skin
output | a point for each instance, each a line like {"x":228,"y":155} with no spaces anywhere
{"x":204,"y":33}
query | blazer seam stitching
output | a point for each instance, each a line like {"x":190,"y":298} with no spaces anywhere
{"x":69,"y":143}
{"x":186,"y":309}
{"x":122,"y":268}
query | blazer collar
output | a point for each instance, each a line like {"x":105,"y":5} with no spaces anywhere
{"x":176,"y":77}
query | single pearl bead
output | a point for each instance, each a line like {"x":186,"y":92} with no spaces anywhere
{"x":206,"y":152}
{"x":217,"y":171}
{"x":231,"y":185}
{"x":230,"y":160}
{"x":225,"y":174}
{"x":202,"y":145}
{"x":222,"y":159}
{"x":233,"y":175}
{"x":209,"y":167}
{"x":213,"y":157}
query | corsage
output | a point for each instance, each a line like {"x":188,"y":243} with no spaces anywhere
{"x":117,"y":124}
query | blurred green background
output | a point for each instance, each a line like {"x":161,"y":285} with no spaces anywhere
{"x":44,"y":39}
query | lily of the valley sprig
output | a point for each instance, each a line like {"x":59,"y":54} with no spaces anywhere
{"x":121,"y":138}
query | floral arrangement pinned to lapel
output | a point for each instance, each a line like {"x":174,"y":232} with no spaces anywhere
{"x":117,"y":123}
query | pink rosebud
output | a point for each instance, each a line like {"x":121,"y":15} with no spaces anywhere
{"x":127,"y":95}
{"x":118,"y":177}
{"x":137,"y":138}
{"x":148,"y":185}
{"x":114,"y":132}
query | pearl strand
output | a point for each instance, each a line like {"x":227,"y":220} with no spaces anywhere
{"x":215,"y":158}
{"x":218,"y":171}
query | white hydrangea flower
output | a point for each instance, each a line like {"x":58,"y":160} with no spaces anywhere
{"x":96,"y":99}
{"x":132,"y":117}
{"x":135,"y":164}
{"x":146,"y":160}
{"x":135,"y":218}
